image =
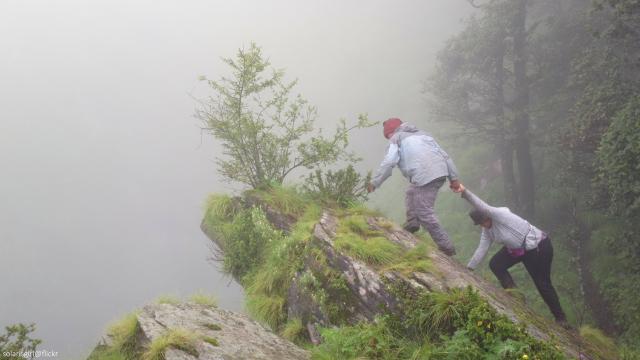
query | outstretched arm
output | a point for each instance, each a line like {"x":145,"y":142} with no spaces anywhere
{"x":481,"y":251}
{"x":478,"y":204}
{"x":386,"y":167}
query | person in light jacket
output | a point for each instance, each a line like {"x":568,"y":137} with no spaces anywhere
{"x":522,"y":242}
{"x":426,"y":166}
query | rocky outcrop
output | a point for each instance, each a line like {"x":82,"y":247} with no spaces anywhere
{"x":370,"y":287}
{"x":219,"y":334}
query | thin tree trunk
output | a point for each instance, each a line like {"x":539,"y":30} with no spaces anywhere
{"x":505,"y":146}
{"x":598,"y":306}
{"x":510,"y":187}
{"x":522,"y":145}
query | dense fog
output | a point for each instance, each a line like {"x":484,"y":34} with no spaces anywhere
{"x":104,"y":167}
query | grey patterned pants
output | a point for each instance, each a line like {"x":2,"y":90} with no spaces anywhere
{"x":420,"y":202}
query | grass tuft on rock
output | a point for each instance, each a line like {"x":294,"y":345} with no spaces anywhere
{"x":294,"y":331}
{"x":374,"y":251}
{"x":604,"y":344}
{"x":219,"y":207}
{"x":123,"y":333}
{"x":168,"y":299}
{"x":414,"y":260}
{"x":212,"y":326}
{"x":202,"y":298}
{"x":269,"y":309}
{"x":283,"y":198}
{"x":177,"y":338}
{"x":356,"y":238}
{"x":108,"y":354}
{"x":211,"y":340}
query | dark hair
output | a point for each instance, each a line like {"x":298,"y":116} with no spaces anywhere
{"x":477,"y":216}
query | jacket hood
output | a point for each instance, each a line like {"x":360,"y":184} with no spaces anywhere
{"x":405,"y":127}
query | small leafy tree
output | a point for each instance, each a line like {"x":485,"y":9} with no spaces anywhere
{"x":345,"y":186}
{"x":266,"y":133}
{"x":16,"y":342}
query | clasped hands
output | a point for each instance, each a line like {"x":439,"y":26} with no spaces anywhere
{"x":456,"y":186}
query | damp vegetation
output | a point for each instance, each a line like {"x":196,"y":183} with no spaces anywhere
{"x":266,"y":260}
{"x":454,"y":325}
{"x":204,"y":299}
{"x":169,"y":299}
{"x":431,"y":325}
{"x":123,"y":340}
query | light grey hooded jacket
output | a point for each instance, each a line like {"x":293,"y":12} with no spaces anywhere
{"x":418,"y":155}
{"x":507,"y":228}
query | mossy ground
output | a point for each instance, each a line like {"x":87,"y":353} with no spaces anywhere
{"x":266,"y":260}
{"x":604,"y":344}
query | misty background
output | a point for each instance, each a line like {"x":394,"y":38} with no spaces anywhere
{"x":104,"y":169}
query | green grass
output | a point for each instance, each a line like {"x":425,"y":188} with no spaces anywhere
{"x":386,"y":224}
{"x":168,"y":299}
{"x":178,"y":338}
{"x":211,"y":340}
{"x":219,"y":207}
{"x":358,"y":224}
{"x":286,"y":199}
{"x":373,"y":251}
{"x":356,"y":238}
{"x":517,"y":294}
{"x":123,"y":333}
{"x":364,"y":341}
{"x":202,"y":298}
{"x":212,"y":326}
{"x":269,"y":309}
{"x":294,"y":331}
{"x":358,"y":209}
{"x":108,"y":354}
{"x":267,"y":284}
{"x":604,"y":344}
{"x":414,"y":260}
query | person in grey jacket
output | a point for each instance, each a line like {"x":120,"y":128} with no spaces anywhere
{"x":426,"y":166}
{"x":522,"y":242}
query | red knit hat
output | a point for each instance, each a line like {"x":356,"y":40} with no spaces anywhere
{"x":390,"y":126}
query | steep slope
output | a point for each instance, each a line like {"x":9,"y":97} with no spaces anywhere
{"x":328,"y":267}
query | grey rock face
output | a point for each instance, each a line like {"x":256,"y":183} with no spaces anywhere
{"x":238,"y":336}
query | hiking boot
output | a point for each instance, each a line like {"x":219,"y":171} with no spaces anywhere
{"x":448,"y":252}
{"x":411,"y":226}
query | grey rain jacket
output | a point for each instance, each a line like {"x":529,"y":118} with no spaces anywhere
{"x":418,"y":155}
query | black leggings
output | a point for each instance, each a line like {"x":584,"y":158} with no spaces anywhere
{"x":538,"y":263}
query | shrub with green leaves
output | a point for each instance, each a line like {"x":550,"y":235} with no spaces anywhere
{"x":344,"y":187}
{"x":365,"y":340}
{"x":245,"y":240}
